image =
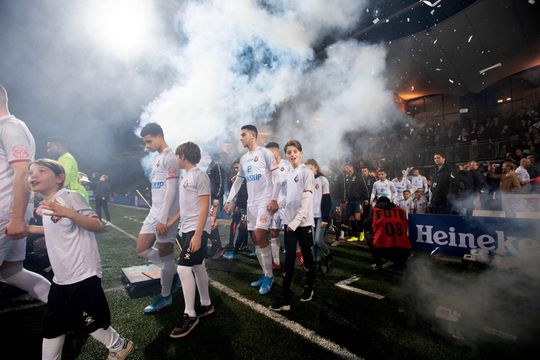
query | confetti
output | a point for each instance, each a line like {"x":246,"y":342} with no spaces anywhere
{"x":429,"y":3}
{"x":452,"y":81}
{"x":432,"y":12}
{"x":412,"y":88}
{"x":531,"y":2}
{"x":408,"y":20}
{"x":483,"y":71}
{"x":470,"y":38}
{"x":376,"y":20}
{"x":438,"y":69}
{"x":435,"y":42}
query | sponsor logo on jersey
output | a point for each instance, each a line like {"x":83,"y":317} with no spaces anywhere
{"x":158,"y":162}
{"x":296,"y":178}
{"x":20,"y":152}
{"x":185,"y":184}
{"x":158,"y":185}
{"x":253,"y":177}
{"x":263,"y":219}
{"x":249,"y":169}
{"x":317,"y":186}
{"x":255,"y":159}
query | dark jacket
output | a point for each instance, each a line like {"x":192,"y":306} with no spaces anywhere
{"x":216,"y":173}
{"x":102,"y":190}
{"x":445,"y":182}
{"x":355,"y":187}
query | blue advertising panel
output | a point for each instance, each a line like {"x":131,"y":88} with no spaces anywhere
{"x":457,"y":235}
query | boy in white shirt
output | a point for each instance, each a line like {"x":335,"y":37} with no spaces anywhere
{"x":76,"y":299}
{"x":195,"y":224}
{"x":298,"y":226}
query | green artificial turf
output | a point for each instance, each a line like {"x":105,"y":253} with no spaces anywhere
{"x":400,"y":326}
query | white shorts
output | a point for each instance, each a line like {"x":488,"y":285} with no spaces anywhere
{"x":277,"y":220}
{"x":258,"y":217}
{"x":11,"y":250}
{"x":149,"y":227}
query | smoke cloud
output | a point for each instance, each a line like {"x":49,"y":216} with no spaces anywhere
{"x":497,"y":303}
{"x":248,"y":61}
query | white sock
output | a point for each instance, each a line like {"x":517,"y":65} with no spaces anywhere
{"x":34,"y":284}
{"x":188,"y":288}
{"x":51,"y":349}
{"x":201,"y":278}
{"x":266,"y":256}
{"x":274,"y":243}
{"x":168,"y":270}
{"x":151,"y":254}
{"x":258,"y":252}
{"x":108,"y":337}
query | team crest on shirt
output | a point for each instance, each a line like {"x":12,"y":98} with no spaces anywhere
{"x":264,"y":219}
{"x":317,"y":186}
{"x":255,"y":159}
{"x":296,"y":178}
{"x":282,"y":169}
{"x":185,"y":184}
{"x":158,"y":162}
{"x":20,"y":152}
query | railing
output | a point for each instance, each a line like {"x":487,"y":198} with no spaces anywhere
{"x":456,"y":153}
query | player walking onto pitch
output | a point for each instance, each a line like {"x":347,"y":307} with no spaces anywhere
{"x":277,"y":220}
{"x":257,"y":168}
{"x":195,"y":208}
{"x":17,"y":150}
{"x":298,"y":226}
{"x":76,"y":299}
{"x":161,"y":225}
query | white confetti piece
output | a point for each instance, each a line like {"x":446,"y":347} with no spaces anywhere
{"x":376,"y":20}
{"x":435,"y":42}
{"x":470,"y":38}
{"x":432,"y":12}
{"x":408,"y":20}
{"x":438,"y":69}
{"x":432,"y":4}
{"x":483,"y":71}
{"x":531,"y":2}
{"x":452,"y":81}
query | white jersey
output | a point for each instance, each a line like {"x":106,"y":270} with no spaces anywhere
{"x":383,"y":188}
{"x":401,"y":186}
{"x":321,"y":186}
{"x":72,"y":250}
{"x":299,"y":181}
{"x":165,"y":167}
{"x":419,"y":182}
{"x":406,"y":205}
{"x":283,"y":168}
{"x":256,"y":168}
{"x":193,"y":184}
{"x":16,"y":144}
{"x":522,"y":174}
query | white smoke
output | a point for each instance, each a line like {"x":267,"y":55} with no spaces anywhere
{"x":247,"y":61}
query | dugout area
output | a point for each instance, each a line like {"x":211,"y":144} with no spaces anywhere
{"x":434,"y":310}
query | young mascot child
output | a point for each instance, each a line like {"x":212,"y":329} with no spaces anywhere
{"x":76,"y":299}
{"x":298,"y":226}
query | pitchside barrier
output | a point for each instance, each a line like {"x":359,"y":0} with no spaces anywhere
{"x":464,"y":235}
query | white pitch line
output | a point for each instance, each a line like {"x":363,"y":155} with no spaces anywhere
{"x":298,"y":329}
{"x":344,"y":284}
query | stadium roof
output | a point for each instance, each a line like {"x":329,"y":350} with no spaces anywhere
{"x":455,"y":47}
